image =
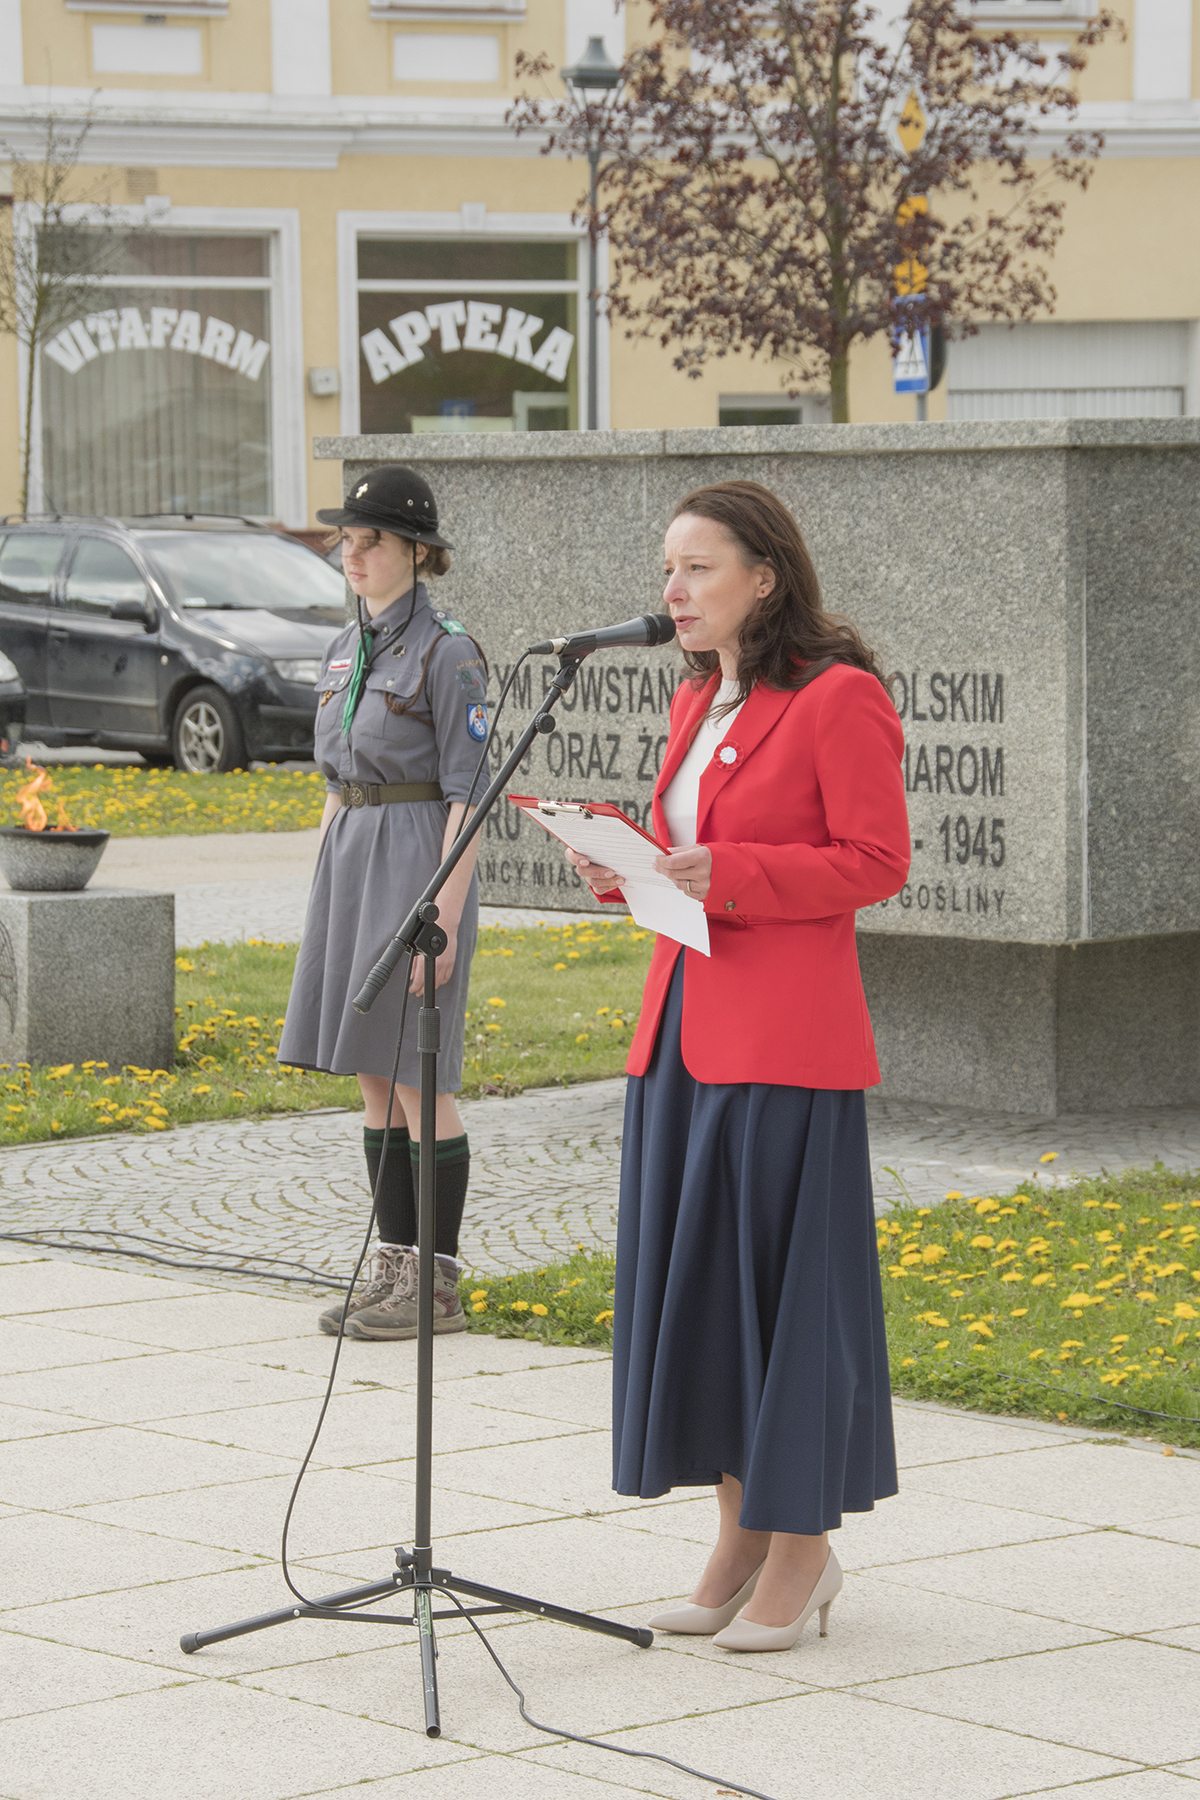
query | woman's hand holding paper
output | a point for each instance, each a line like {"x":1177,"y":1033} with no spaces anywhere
{"x":690,"y":870}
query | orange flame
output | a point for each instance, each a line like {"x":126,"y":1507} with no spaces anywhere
{"x":62,"y":822}
{"x":33,"y":813}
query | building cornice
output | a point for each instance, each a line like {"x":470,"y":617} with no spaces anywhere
{"x":153,"y":128}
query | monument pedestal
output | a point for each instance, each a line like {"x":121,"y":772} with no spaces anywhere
{"x":1036,"y":1028}
{"x":88,"y":976}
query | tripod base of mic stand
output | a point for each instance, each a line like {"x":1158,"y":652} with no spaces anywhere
{"x":418,"y":1580}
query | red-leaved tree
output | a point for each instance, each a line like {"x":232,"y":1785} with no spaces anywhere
{"x":758,"y":197}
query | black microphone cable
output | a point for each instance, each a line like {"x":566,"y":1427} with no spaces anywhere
{"x":341,"y":1333}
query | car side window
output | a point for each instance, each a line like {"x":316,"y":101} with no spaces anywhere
{"x":28,"y":565}
{"x":101,"y":572}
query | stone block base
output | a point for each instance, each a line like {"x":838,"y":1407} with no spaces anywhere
{"x":88,"y":976}
{"x":1036,"y":1028}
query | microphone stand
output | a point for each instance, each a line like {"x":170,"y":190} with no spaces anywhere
{"x":415,"y":1575}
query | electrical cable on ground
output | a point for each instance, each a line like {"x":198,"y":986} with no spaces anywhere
{"x":720,"y":1781}
{"x":48,"y":1240}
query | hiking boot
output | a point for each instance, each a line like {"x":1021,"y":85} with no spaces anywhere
{"x":385,"y":1269}
{"x":395,"y":1316}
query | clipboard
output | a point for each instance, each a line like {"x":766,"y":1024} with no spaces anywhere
{"x":606,"y":835}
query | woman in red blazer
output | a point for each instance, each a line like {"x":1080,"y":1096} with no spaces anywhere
{"x":749,"y":1345}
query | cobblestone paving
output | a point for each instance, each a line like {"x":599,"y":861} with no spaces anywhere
{"x":544,"y":1173}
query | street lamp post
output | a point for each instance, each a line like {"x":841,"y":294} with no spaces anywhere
{"x":594,"y":73}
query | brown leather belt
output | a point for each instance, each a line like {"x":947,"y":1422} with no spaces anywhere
{"x":370,"y":793}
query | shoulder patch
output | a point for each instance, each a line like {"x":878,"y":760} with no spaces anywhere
{"x":450,"y":625}
{"x":477,"y":720}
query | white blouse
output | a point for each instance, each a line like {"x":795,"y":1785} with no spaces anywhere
{"x":680,"y":799}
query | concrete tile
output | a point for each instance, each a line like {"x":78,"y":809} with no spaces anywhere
{"x":21,"y":1253}
{"x":375,"y":1426}
{"x":337,"y":1509}
{"x":25,"y":1345}
{"x":51,"y":1472}
{"x":586,"y":1683}
{"x":225,"y":1742}
{"x":36,"y":1676}
{"x":1180,"y":1531}
{"x":580,"y":1394}
{"x":693,"y":1520}
{"x":822,"y":1746}
{"x":26,"y":1421}
{"x":48,"y":1557}
{"x":1186,"y":1636}
{"x":1147,"y":1784}
{"x":487,"y":1776}
{"x":55,"y":1283}
{"x":146,"y":1623}
{"x":198,"y":1321}
{"x":576,"y":1478}
{"x":459,"y":1357}
{"x":1109,"y":1580}
{"x":1094,"y":1484}
{"x":927,"y":1435}
{"x":1128,"y":1699}
{"x":453,"y":1514}
{"x":1190,"y":1770}
{"x":154,"y":1386}
{"x":375,"y":1364}
{"x":878,"y":1630}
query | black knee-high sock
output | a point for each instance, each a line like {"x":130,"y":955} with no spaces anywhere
{"x":450,"y":1189}
{"x":396,"y":1209}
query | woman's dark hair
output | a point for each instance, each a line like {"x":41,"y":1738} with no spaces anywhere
{"x":437,"y":559}
{"x":788,"y":640}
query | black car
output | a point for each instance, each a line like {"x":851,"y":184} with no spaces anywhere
{"x":194,"y":640}
{"x":12,"y":710}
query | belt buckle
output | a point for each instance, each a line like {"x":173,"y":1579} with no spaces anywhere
{"x":355,"y":793}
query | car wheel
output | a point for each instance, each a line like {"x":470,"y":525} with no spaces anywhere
{"x":207,"y":737}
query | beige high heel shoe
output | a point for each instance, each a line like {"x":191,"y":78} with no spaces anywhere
{"x":742,"y":1634}
{"x":702,"y":1621}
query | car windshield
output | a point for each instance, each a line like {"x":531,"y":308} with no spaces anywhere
{"x":242,"y":570}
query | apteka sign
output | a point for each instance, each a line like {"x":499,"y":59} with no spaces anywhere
{"x":479,"y":319}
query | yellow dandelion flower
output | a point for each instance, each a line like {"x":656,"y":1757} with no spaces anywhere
{"x":954,"y":1194}
{"x":497,"y":1002}
{"x":480,"y":1294}
{"x":520,"y":1306}
{"x":603,"y":1318}
{"x":1020,"y":1313}
{"x":1034,"y":1354}
{"x":1050,"y":1156}
{"x":944,"y":1345}
{"x":1041,"y":1280}
{"x":479,"y":1306}
{"x":983,"y":1330}
{"x":983,"y":1242}
{"x":541,"y":1311}
{"x":560,"y":966}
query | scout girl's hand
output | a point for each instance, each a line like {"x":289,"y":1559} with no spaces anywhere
{"x":443,"y":967}
{"x":690,"y":870}
{"x":598,"y":878}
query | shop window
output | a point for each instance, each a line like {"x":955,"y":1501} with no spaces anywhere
{"x":774,"y":409}
{"x":459,"y":336}
{"x":159,"y":398}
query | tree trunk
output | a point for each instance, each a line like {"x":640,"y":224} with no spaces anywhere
{"x":839,"y":386}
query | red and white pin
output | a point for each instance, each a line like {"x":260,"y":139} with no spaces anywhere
{"x":725,"y":755}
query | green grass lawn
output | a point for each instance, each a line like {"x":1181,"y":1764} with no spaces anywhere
{"x":1078,"y":1303}
{"x":136,"y":802}
{"x":547,"y":1005}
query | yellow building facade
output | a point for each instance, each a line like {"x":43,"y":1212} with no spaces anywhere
{"x":334,"y":230}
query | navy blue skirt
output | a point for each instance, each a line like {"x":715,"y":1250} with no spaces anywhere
{"x":749,"y":1335}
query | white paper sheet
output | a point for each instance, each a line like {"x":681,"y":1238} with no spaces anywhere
{"x":653,"y":899}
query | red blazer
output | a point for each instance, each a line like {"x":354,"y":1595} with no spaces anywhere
{"x":806,"y":822}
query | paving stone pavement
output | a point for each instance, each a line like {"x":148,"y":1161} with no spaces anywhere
{"x":544,"y":1173}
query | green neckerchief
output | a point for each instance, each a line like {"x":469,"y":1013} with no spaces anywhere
{"x":362,"y":656}
{"x":358,"y":680}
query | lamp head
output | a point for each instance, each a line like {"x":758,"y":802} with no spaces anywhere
{"x":594,"y":72}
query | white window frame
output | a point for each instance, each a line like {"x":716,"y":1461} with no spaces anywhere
{"x":490,"y":12}
{"x":466,"y":223}
{"x":173,"y":9}
{"x":281,"y":227}
{"x":1063,"y":15}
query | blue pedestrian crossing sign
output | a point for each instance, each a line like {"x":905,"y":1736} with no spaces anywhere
{"x":910,"y":367}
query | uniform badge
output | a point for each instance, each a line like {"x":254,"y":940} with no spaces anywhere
{"x":726,"y":755}
{"x":477,"y":720}
{"x":343,"y":664}
{"x":360,"y":491}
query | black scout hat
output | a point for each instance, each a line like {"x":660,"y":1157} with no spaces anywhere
{"x":390,"y":498}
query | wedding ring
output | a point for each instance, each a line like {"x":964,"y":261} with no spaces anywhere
{"x":688,"y":886}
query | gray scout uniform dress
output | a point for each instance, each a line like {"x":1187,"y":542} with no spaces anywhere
{"x":421,"y":718}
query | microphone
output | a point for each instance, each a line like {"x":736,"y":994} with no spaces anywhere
{"x":651,"y":628}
